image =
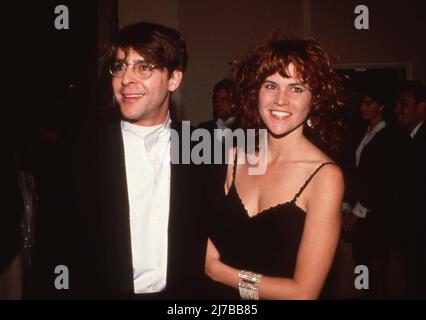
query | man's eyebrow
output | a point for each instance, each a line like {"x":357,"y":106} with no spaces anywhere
{"x":134,"y":61}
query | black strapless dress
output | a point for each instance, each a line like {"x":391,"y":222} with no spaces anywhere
{"x":265,"y":243}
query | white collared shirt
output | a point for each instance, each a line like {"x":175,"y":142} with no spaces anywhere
{"x":220,"y":124}
{"x":415,"y":129}
{"x":359,"y":210}
{"x":148,"y":166}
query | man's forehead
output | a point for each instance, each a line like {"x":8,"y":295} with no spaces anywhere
{"x":406,"y":95}
{"x":129,"y":53}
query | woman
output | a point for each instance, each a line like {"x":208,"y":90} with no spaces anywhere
{"x":277,"y":233}
{"x":10,"y":232}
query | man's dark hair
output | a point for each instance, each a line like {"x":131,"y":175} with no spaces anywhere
{"x":417,"y":88}
{"x":376,"y":94}
{"x":159,"y":45}
{"x":222,"y":84}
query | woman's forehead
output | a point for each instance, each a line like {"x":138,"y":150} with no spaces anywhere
{"x":287,"y":72}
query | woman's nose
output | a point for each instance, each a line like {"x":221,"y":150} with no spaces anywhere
{"x":281,"y":98}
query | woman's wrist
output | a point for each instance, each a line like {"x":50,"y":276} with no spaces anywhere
{"x":248,"y":285}
{"x":213,"y":268}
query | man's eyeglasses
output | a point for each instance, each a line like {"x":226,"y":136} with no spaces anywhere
{"x":141,"y":69}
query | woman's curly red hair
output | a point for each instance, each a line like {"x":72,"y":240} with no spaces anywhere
{"x":314,"y":68}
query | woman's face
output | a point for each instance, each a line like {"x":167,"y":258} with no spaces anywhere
{"x":370,"y":109}
{"x":284,"y":103}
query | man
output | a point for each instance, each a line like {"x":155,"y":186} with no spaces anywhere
{"x":410,"y":110}
{"x":369,"y":214}
{"x":222,"y":107}
{"x":223,"y":118}
{"x":138,"y":229}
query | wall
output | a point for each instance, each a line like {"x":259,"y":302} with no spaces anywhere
{"x":216,"y":31}
{"x":397,"y":32}
{"x":158,"y":11}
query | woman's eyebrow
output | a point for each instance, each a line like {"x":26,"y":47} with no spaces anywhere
{"x":270,"y":81}
{"x":297,"y":84}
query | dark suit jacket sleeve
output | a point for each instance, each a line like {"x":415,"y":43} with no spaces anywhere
{"x":374,"y":178}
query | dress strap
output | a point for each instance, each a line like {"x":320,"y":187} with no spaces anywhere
{"x":308,"y":180}
{"x":234,"y":169}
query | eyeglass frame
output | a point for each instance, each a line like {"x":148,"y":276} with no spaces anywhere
{"x":133,"y":64}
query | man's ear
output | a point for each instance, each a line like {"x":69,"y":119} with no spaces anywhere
{"x":421,"y":107}
{"x":175,"y":80}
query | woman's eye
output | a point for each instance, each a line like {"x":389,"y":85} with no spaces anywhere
{"x":270,"y":86}
{"x":296,"y":89}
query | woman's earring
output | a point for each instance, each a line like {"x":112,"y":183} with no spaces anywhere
{"x":309,"y":123}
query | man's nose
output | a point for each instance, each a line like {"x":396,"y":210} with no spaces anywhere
{"x":128,"y":76}
{"x":398,"y":108}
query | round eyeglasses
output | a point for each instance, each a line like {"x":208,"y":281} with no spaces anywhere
{"x":141,"y":69}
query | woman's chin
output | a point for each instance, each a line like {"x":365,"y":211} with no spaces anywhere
{"x":278,"y":133}
{"x":281,"y":131}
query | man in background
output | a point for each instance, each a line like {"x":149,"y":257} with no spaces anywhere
{"x":222,"y":107}
{"x":410,"y":111}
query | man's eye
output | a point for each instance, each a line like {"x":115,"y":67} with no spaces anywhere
{"x":119,"y":66}
{"x":143,"y":67}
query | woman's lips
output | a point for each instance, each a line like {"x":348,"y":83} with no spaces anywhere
{"x":280,"y":115}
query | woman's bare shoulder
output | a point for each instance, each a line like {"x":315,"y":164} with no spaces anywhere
{"x":327,"y":180}
{"x":329,"y":171}
{"x":327,"y":184}
{"x":317,"y":154}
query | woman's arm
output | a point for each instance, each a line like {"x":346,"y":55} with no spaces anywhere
{"x":11,"y":280}
{"x":317,"y":248}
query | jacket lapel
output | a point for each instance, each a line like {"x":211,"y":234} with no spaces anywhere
{"x":115,"y":205}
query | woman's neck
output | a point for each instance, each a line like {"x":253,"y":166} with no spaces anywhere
{"x":285,"y":147}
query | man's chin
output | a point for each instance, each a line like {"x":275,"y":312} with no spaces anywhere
{"x":401,"y":122}
{"x":132,"y":118}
